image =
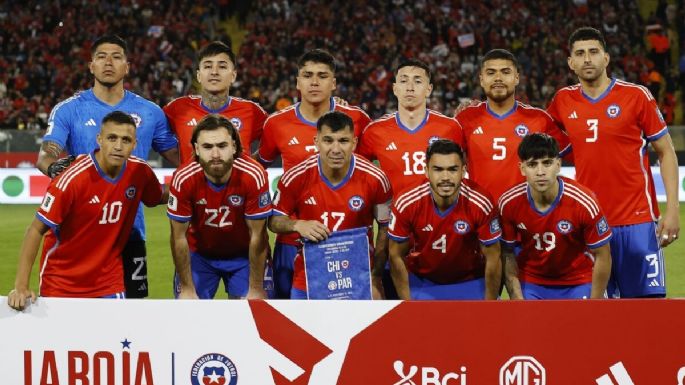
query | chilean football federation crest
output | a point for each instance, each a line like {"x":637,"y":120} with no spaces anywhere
{"x":461,"y":227}
{"x":564,"y":226}
{"x":130,"y":192}
{"x":136,"y":118}
{"x":432,"y":139}
{"x":613,"y":111}
{"x":237,"y":123}
{"x":356,"y":203}
{"x":521,"y":130}
{"x":213,"y":368}
{"x":235,"y":200}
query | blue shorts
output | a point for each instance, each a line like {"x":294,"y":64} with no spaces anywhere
{"x":535,"y":291}
{"x":207,"y":273}
{"x":637,"y":268}
{"x":424,"y":289}
{"x":120,"y":295}
{"x":298,"y":294}
{"x":283,"y":266}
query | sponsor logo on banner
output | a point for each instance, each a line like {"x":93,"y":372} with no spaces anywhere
{"x":429,"y":375}
{"x":522,"y":370}
{"x":130,"y":192}
{"x":564,"y":226}
{"x":613,"y":111}
{"x":235,"y":200}
{"x":620,"y":374}
{"x":213,"y":368}
{"x":99,"y":367}
{"x":521,"y":130}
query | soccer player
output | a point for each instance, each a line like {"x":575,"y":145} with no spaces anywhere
{"x":609,"y":123}
{"x":399,"y":141}
{"x":216,"y":73}
{"x":493,"y":129}
{"x":73,"y":126}
{"x":323,"y":193}
{"x":564,"y":235}
{"x":456,"y":232}
{"x":91,"y":207}
{"x":291,"y":133}
{"x":218,"y":206}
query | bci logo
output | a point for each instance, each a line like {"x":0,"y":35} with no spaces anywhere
{"x":522,"y":370}
{"x":428,"y":375}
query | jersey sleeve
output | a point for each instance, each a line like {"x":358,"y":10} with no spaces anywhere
{"x":509,"y":235}
{"x":179,"y":207}
{"x":285,"y":198}
{"x":259,"y":118}
{"x":59,"y":125}
{"x":552,"y":129}
{"x":362,"y":121}
{"x":596,"y":231}
{"x":163,"y":139}
{"x":457,"y":133}
{"x":56,"y":204}
{"x":268,"y":148}
{"x":152,"y":190}
{"x":258,"y":201}
{"x":365,"y":145}
{"x":650,"y":118}
{"x":489,"y":228}
{"x":399,"y":228}
{"x":382,"y":200}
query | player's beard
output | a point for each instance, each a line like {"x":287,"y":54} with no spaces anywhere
{"x":499,"y":98}
{"x":216,"y":168}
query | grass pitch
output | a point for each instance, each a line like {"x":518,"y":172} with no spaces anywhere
{"x":14,"y":220}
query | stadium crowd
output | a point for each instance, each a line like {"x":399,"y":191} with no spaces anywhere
{"x":45,"y":47}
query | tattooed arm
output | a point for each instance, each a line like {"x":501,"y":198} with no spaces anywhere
{"x":49,"y":154}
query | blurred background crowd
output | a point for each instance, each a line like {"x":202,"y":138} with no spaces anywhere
{"x":45,"y":47}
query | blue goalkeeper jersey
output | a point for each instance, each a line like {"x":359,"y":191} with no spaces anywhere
{"x":75,"y":122}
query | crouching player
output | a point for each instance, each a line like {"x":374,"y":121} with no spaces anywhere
{"x":218,"y":207}
{"x":90,"y":208}
{"x":455,"y":229}
{"x":564,"y":234}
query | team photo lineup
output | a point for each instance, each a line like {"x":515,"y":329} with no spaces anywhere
{"x":411,"y":205}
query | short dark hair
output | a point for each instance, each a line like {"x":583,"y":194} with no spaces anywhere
{"x":336,"y":121}
{"x":119,"y":117}
{"x":215,"y":48}
{"x":213,"y":122}
{"x":317,"y":55}
{"x":444,"y":147}
{"x":109,"y":39}
{"x":586,"y":33}
{"x":499,"y":53}
{"x":415,"y":63}
{"x":538,"y":146}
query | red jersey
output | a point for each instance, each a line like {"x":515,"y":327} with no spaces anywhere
{"x":216,"y":213}
{"x":491,"y":142}
{"x":609,"y":137}
{"x":554,"y":244}
{"x":446,"y":244}
{"x":92,"y":216}
{"x":186,"y":112}
{"x":305,"y":193}
{"x":289,"y":134}
{"x":402,"y":151}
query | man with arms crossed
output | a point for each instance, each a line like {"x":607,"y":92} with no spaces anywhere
{"x":563,"y":233}
{"x":291,"y":133}
{"x":218,"y":207}
{"x":610,"y":117}
{"x":74,"y":124}
{"x":334,"y":190}
{"x":91,"y":207}
{"x":456,"y":232}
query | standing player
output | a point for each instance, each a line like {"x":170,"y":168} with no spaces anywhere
{"x":398,"y":141}
{"x":74,"y":124}
{"x":334,"y":190}
{"x":291,"y":133}
{"x":91,"y":207}
{"x":564,"y":235}
{"x":493,"y":129}
{"x":454,"y":225}
{"x":216,"y":73}
{"x":218,"y":206}
{"x":609,"y":117}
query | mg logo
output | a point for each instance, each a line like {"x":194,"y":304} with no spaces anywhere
{"x":522,"y":370}
{"x":681,"y":376}
{"x":429,"y":375}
